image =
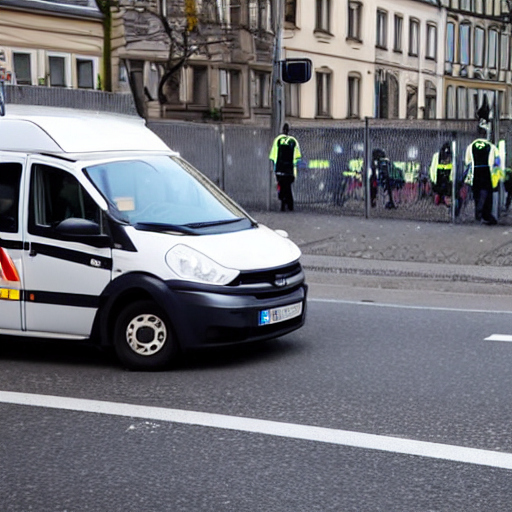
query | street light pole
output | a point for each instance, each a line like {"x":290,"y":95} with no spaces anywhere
{"x":277,"y":83}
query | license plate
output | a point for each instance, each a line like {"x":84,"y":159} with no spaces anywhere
{"x":273,"y":316}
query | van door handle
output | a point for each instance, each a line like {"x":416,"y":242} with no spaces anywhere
{"x":32,"y":251}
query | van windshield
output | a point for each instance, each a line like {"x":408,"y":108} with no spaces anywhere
{"x":166,"y":193}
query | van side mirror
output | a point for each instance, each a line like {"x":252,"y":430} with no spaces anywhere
{"x":78,"y":227}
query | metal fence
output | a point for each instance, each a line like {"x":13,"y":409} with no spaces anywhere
{"x":70,"y":98}
{"x":332,"y":174}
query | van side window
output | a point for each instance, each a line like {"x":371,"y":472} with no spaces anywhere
{"x":56,"y":195}
{"x":10,"y":177}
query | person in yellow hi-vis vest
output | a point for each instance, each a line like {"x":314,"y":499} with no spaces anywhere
{"x":441,"y":175}
{"x":483,"y":175}
{"x":284,"y":154}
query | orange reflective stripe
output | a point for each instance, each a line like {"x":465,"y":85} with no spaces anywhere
{"x":7,"y":268}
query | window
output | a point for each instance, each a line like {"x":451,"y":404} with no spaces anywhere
{"x":493,"y":48}
{"x":353,"y":96}
{"x":173,"y":88}
{"x":354,"y":20}
{"x":462,"y":103}
{"x":479,"y":47}
{"x":387,"y":95}
{"x":208,"y":10}
{"x":492,"y":7}
{"x":323,"y":93}
{"x":397,"y":43}
{"x":292,"y":102}
{"x":412,"y":102}
{"x":479,"y":6}
{"x":230,"y":87}
{"x":450,"y":43}
{"x":10,"y":177}
{"x":414,"y":28}
{"x":261,"y":97}
{"x":450,"y":103}
{"x":472,"y":103}
{"x":431,"y":52}
{"x":200,"y":85}
{"x":430,"y":100}
{"x":504,"y":46}
{"x":56,"y":195}
{"x":152,"y":74}
{"x":465,"y":5}
{"x":323,"y":11}
{"x":57,"y":71}
{"x":259,"y":15}
{"x":22,"y":69}
{"x":290,"y":12}
{"x":234,"y":12}
{"x":382,"y":21}
{"x":464,"y":41}
{"x":85,"y":74}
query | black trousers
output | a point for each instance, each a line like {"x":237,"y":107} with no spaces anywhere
{"x":483,"y":204}
{"x":285,"y":191}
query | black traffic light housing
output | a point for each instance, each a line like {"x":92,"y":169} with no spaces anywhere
{"x":296,"y":71}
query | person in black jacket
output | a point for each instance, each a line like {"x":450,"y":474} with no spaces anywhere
{"x":284,"y":155}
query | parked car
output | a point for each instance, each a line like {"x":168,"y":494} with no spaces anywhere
{"x":107,"y":234}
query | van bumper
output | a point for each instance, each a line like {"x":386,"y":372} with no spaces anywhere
{"x":205,"y":318}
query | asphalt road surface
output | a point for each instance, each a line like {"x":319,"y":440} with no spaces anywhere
{"x":387,"y":400}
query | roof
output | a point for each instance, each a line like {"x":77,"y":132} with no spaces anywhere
{"x":30,"y":128}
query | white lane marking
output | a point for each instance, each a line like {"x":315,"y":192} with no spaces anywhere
{"x":273,"y":428}
{"x":499,"y":337}
{"x":405,"y":306}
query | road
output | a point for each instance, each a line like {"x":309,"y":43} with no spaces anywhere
{"x":235,"y":430}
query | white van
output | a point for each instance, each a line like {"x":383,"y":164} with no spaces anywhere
{"x":106,"y":234}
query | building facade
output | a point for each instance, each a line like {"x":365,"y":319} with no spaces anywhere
{"x":477,"y":60}
{"x":400,"y":59}
{"x":226,"y":74}
{"x":50,"y":43}
{"x":392,"y":59}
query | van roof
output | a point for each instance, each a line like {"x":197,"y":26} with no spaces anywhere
{"x":36,"y":129}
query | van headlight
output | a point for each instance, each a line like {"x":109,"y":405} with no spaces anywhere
{"x":195,"y":266}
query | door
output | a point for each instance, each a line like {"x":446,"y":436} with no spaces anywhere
{"x":67,"y":258}
{"x":11,"y":246}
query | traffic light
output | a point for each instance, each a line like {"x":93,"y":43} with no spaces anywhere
{"x":296,"y":71}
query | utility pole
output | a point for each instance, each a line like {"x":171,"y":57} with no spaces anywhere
{"x":277,"y":83}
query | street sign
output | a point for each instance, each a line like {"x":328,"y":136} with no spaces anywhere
{"x":296,"y":71}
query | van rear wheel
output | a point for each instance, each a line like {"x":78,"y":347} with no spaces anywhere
{"x":143,"y":337}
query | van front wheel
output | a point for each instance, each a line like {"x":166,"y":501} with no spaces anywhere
{"x":143,"y":337}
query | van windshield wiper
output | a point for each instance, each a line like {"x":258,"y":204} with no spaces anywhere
{"x":198,"y":225}
{"x":162,"y":227}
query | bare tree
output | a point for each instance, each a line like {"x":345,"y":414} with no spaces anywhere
{"x":182,"y":27}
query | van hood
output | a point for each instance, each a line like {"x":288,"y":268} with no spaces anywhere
{"x":256,"y":248}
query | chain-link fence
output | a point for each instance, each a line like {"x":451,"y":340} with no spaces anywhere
{"x":335,"y":173}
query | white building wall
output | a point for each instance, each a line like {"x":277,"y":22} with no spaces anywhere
{"x":334,"y":53}
{"x":343,"y":56}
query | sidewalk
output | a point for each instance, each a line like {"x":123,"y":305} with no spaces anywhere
{"x":471,"y":253}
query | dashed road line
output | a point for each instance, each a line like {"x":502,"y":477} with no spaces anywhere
{"x":499,"y":337}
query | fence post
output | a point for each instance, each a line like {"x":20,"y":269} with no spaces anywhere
{"x":367,"y":167}
{"x":222,"y":142}
{"x":455,"y":178}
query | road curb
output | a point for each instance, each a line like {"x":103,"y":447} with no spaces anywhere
{"x":406,"y":269}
